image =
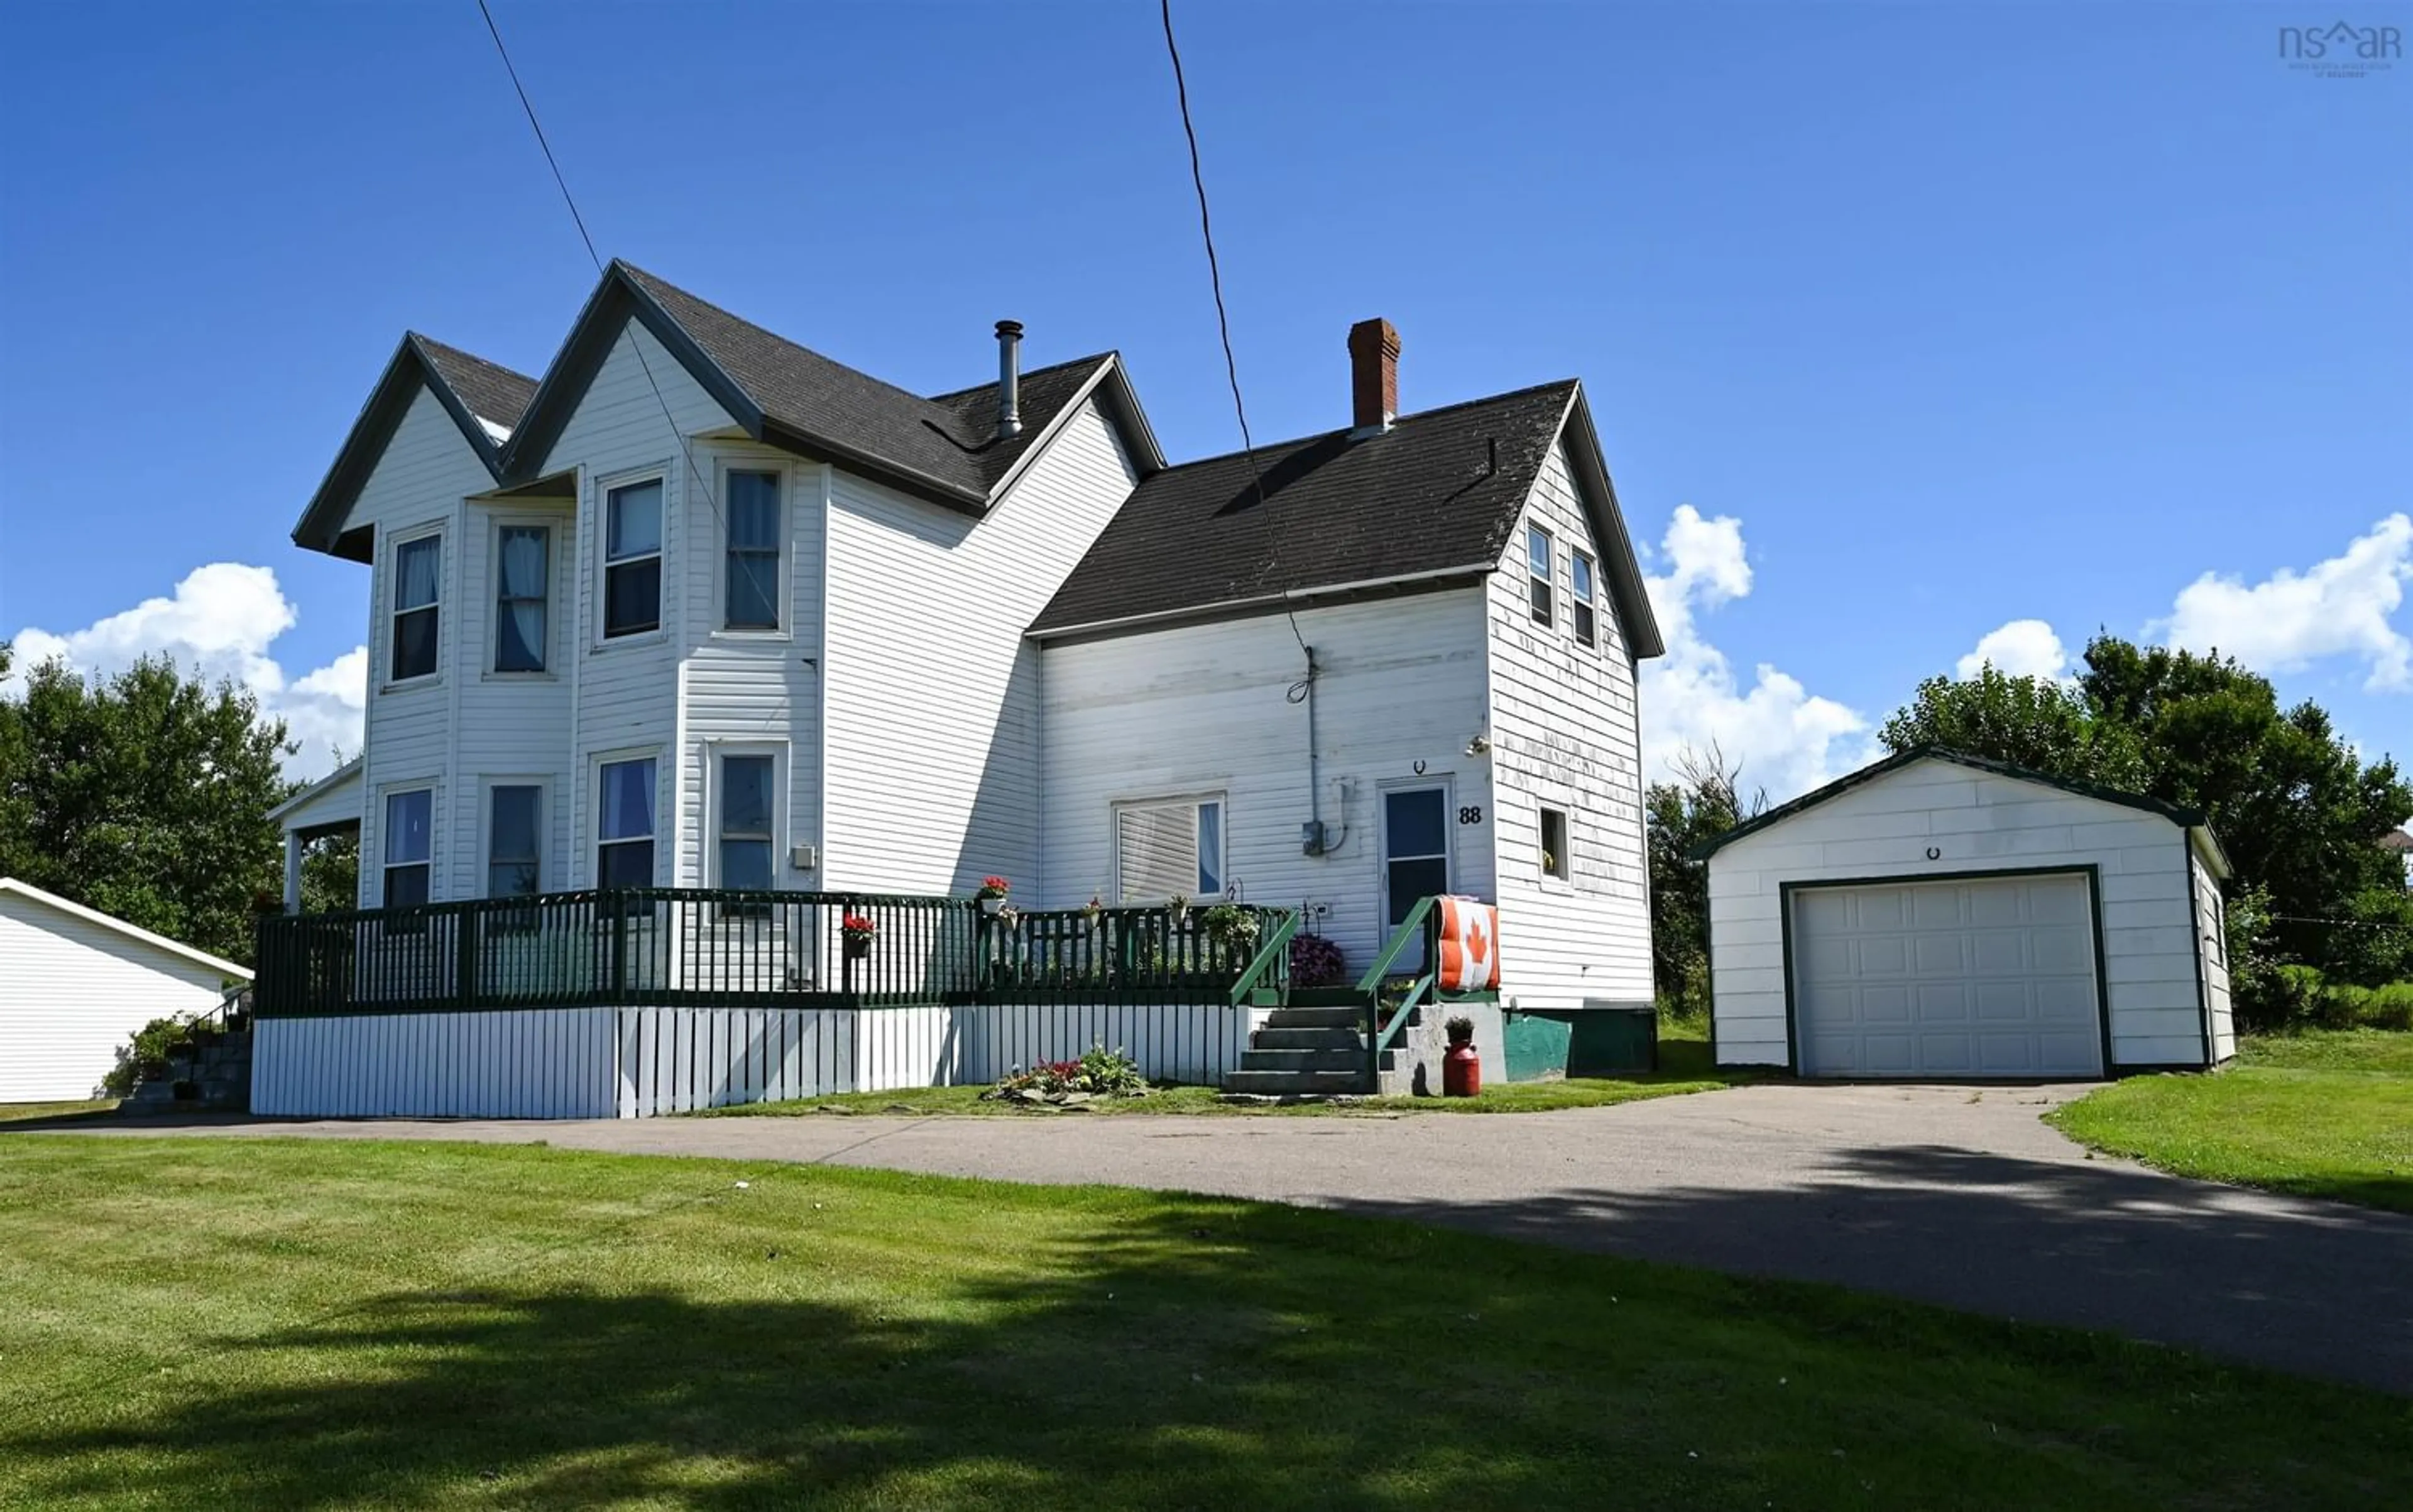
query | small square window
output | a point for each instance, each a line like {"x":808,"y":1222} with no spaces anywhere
{"x":1539,"y":556}
{"x":1555,"y":859}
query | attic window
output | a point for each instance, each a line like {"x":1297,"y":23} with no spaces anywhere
{"x":418,"y":574}
{"x":632,"y":560}
{"x":1587,"y":627}
{"x":1538,"y":558}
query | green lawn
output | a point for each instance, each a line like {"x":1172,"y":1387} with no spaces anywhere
{"x":21,"y":1112}
{"x":2324,"y":1113}
{"x":195,"y":1324}
{"x":1685,"y":1066}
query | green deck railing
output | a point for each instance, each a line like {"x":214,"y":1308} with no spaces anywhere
{"x":679,"y":947}
{"x":1418,"y":929}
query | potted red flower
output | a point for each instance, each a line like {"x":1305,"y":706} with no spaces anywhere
{"x":858,"y":930}
{"x":992,"y":895}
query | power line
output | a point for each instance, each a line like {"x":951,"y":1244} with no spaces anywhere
{"x":702,"y":484}
{"x":1223,"y":327}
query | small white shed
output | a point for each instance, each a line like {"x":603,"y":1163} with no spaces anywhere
{"x":75,"y":984}
{"x":1941,"y":916}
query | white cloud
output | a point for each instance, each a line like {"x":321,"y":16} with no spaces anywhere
{"x":219,"y":624}
{"x":1788,"y":739}
{"x":2022,"y":648}
{"x":2340,"y":608}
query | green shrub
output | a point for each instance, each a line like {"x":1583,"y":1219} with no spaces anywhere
{"x":144,"y":1057}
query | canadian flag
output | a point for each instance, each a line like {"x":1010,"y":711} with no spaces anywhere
{"x":1470,"y":945}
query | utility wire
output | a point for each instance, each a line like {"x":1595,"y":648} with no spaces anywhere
{"x":1223,"y":327}
{"x":702,"y":483}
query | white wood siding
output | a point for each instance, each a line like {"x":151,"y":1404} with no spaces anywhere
{"x":530,"y":1063}
{"x":2210,"y":920}
{"x":514,"y":727}
{"x":754,"y":690}
{"x":639,"y":1062}
{"x":72,"y":991}
{"x":626,"y":692}
{"x":1564,"y":733}
{"x":932,"y":762}
{"x":426,"y":471}
{"x":1205,"y":708}
{"x":1973,"y":820}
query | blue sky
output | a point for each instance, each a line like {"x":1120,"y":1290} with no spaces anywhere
{"x":1938,"y":317}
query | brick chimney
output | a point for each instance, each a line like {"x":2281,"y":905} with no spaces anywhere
{"x":1373,"y":375}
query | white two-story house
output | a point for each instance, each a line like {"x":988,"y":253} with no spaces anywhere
{"x":702,"y":608}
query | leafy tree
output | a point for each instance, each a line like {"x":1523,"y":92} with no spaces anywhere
{"x":2298,"y":812}
{"x":145,"y":795}
{"x":330,"y":874}
{"x":2035,"y":722}
{"x":1704,"y":804}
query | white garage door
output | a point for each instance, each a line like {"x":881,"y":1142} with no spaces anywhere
{"x":1983,"y":978}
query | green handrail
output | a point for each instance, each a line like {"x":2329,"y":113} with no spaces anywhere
{"x":1417,"y":991}
{"x":1410,"y":927}
{"x":1275,"y":943}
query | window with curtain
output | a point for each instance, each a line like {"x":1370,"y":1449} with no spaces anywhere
{"x":632,"y":560}
{"x":1167,"y":848}
{"x":624,"y":849}
{"x":410,"y":842}
{"x":746,"y":831}
{"x":1587,"y":625}
{"x":513,"y":837}
{"x":418,"y":575}
{"x":752,"y":593}
{"x":1538,"y":557}
{"x":524,"y":558}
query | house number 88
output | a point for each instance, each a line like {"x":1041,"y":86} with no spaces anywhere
{"x":1472,"y":814}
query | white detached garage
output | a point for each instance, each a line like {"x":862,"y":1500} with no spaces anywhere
{"x":1943,"y":916}
{"x":75,"y":984}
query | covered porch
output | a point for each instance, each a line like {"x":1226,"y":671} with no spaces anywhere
{"x":328,"y":807}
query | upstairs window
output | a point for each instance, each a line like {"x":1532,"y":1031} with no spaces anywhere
{"x":751,"y":595}
{"x":746,"y":839}
{"x":522,"y":565}
{"x":513,"y":832}
{"x":418,"y":574}
{"x":1537,"y":568}
{"x":1555,"y":861}
{"x":410,"y":843}
{"x":632,"y":560}
{"x":1587,"y":624}
{"x":624,"y":849}
{"x":1168,"y":848}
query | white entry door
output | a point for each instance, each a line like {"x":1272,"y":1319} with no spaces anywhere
{"x":1983,"y":977}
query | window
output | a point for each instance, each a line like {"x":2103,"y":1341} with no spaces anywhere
{"x":409,"y":847}
{"x":1162,"y":849}
{"x":623,"y":848}
{"x":1537,"y":563}
{"x":513,"y":831}
{"x":417,"y":571}
{"x":746,"y":838}
{"x":751,"y":595}
{"x":1587,"y":629}
{"x":522,"y":569}
{"x":1555,"y":862}
{"x":1415,"y":848}
{"x":632,"y":560}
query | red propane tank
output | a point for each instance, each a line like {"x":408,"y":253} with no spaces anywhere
{"x":1461,"y":1071}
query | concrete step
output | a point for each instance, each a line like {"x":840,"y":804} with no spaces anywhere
{"x":1307,"y":1038}
{"x":1294,"y":1083}
{"x":1352,"y":1059}
{"x":1326,"y":997}
{"x":1316,"y":1018}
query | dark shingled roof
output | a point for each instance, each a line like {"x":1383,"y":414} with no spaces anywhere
{"x":952,"y":438}
{"x":1419,"y":498}
{"x":491,"y":391}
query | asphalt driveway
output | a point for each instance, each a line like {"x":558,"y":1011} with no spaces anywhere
{"x":1944,"y":1194}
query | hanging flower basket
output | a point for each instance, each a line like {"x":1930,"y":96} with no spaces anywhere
{"x":858,"y":930}
{"x":992,"y":895}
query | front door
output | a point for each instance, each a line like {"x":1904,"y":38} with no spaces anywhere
{"x":1416,"y":849}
